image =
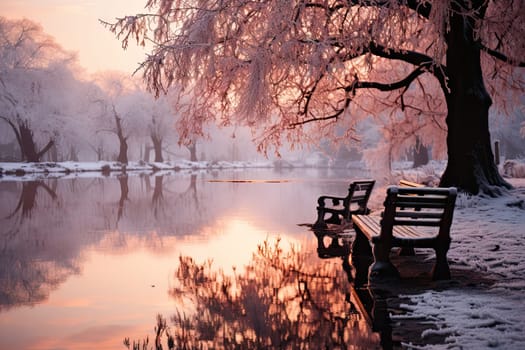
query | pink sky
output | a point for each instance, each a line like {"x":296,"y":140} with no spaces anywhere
{"x":75,"y":26}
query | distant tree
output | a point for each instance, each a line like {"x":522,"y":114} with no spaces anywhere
{"x":25,"y":138}
{"x":122,"y":138}
{"x":280,"y":66}
{"x":128,"y":111}
{"x":192,"y":148}
{"x":41,"y":97}
{"x":420,"y":154}
{"x":118,"y":115}
{"x":155,"y":119}
{"x":511,"y":135}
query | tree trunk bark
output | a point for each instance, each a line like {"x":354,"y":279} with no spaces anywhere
{"x":157,"y":146}
{"x":123,"y":143}
{"x":123,"y":150}
{"x":420,"y":154}
{"x":147,"y":152}
{"x":28,"y":145}
{"x":193,"y":151}
{"x":471,"y":165}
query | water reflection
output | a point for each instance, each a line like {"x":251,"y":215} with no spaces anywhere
{"x":27,"y":200}
{"x":283,"y":299}
{"x":333,"y":244}
{"x":46,"y":224}
{"x":24,"y":281}
{"x":97,"y":253}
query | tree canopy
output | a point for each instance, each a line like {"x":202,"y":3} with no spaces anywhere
{"x":304,"y":70}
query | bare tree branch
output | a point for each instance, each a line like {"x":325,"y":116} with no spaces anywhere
{"x":356,"y":84}
{"x":500,"y":56}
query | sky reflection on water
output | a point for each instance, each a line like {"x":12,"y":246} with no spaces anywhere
{"x":86,"y":262}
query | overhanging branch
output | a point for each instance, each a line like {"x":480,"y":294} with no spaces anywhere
{"x":417,"y":59}
{"x":405,"y":82}
{"x":356,"y":84}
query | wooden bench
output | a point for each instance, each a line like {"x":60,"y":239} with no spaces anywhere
{"x":412,"y":217}
{"x":341,"y":209}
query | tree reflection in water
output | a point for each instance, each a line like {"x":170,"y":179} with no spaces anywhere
{"x":23,"y":283}
{"x":283,"y":299}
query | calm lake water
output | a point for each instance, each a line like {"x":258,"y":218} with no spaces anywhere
{"x":87,"y":262}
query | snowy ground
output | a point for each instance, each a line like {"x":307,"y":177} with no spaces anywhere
{"x":488,"y":239}
{"x":28,"y":171}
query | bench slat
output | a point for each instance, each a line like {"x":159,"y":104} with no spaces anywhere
{"x":410,"y":201}
{"x":371,"y":227}
{"x":407,"y":232}
{"x":420,"y":214}
{"x":427,"y":223}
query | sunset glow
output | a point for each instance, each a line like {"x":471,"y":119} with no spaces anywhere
{"x":75,"y":26}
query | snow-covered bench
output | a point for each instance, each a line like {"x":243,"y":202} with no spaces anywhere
{"x":413,"y":217}
{"x":341,"y":209}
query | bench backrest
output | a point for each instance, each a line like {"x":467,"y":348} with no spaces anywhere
{"x":358,"y":194}
{"x":419,"y":206}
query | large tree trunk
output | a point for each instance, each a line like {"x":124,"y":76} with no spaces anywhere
{"x":471,"y":166}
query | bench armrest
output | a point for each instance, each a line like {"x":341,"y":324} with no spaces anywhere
{"x":335,"y":200}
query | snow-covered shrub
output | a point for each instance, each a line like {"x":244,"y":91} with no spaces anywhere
{"x":514,"y":168}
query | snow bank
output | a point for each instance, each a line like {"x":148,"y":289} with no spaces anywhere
{"x":28,"y":171}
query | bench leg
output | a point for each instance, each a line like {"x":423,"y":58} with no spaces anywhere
{"x":361,"y":259}
{"x":360,"y":245}
{"x":382,"y":268}
{"x":441,"y":269}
